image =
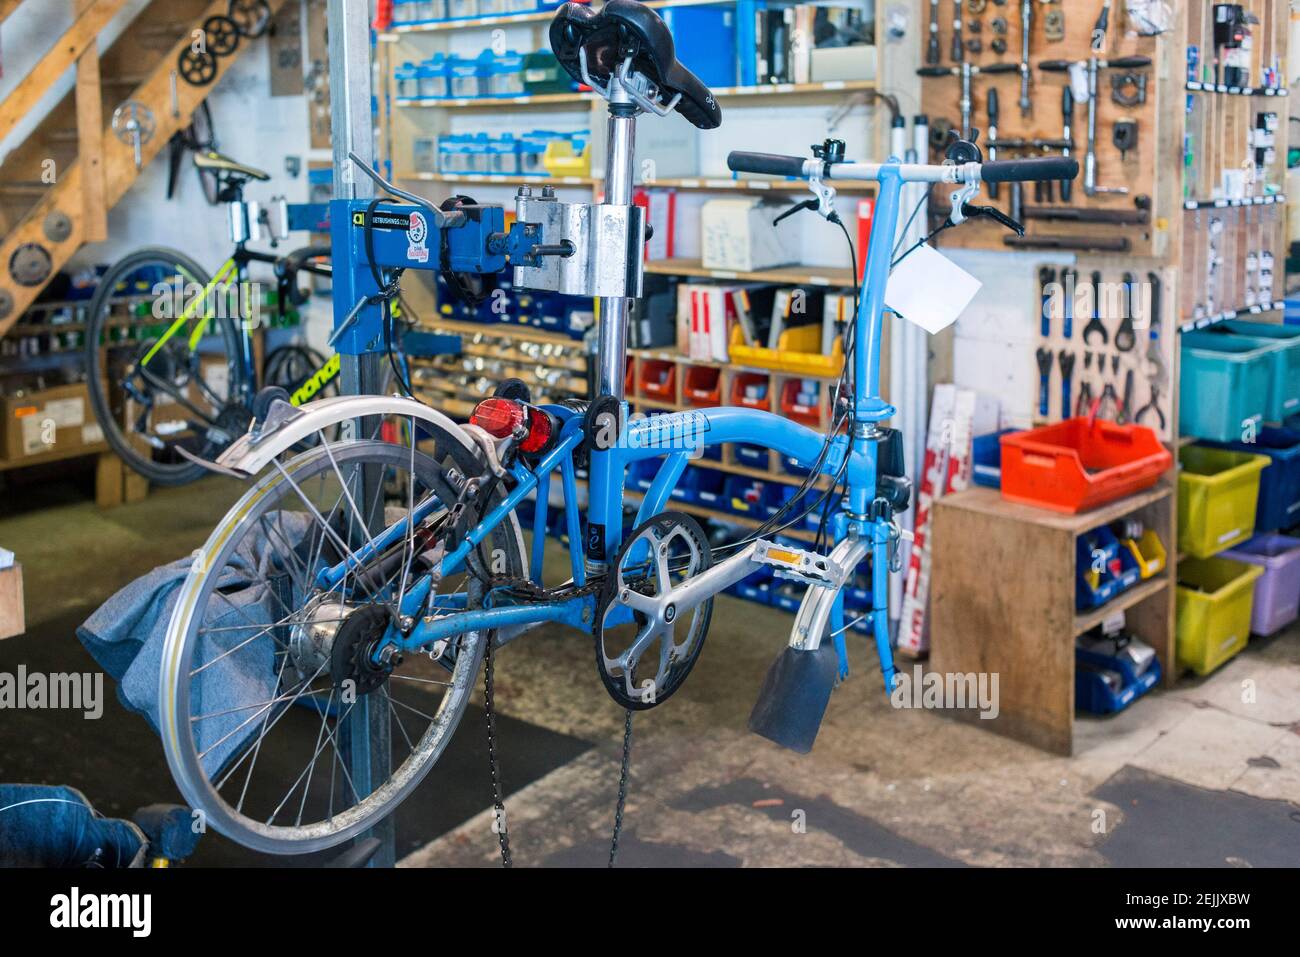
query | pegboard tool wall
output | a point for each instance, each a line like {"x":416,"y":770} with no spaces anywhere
{"x":1149,"y":171}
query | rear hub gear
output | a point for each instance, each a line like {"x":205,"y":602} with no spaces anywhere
{"x":351,"y":656}
{"x":644,"y":659}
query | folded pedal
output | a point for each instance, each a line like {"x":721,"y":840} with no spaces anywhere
{"x":800,"y":565}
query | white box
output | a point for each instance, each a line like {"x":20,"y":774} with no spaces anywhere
{"x":737,"y":235}
{"x":844,"y":63}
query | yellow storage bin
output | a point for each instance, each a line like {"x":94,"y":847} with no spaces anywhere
{"x":799,"y":353}
{"x":1148,"y":551}
{"x":1215,"y":597}
{"x":1217,"y":493}
{"x":561,"y":159}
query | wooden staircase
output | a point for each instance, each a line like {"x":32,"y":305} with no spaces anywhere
{"x":74,"y":145}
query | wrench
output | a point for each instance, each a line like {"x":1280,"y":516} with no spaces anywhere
{"x":1126,"y":337}
{"x":1095,"y":326}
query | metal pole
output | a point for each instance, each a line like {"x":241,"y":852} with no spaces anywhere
{"x":367,"y":737}
{"x":615,"y":311}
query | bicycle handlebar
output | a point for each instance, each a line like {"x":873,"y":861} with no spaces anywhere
{"x":997,"y":171}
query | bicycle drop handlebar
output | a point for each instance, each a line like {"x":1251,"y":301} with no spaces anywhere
{"x":1048,"y":168}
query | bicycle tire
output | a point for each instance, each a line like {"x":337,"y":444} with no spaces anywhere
{"x":158,"y":473}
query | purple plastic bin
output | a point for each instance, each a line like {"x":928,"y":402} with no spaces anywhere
{"x":1277,"y":592}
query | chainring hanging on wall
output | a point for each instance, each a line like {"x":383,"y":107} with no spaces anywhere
{"x":196,"y":67}
{"x":221,"y":35}
{"x":30,"y":265}
{"x":253,"y":17}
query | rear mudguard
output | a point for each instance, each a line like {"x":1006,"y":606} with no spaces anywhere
{"x":286,"y":425}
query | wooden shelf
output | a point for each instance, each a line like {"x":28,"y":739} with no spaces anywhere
{"x":486,"y":179}
{"x":1086,"y":621}
{"x":496,"y":102}
{"x":795,"y":275}
{"x":396,"y":31}
{"x":989,"y":501}
{"x":506,"y":329}
{"x":705,"y":183}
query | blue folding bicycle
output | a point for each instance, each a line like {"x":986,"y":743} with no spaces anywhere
{"x":386,"y":565}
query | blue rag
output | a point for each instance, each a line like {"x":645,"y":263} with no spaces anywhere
{"x":126,"y":636}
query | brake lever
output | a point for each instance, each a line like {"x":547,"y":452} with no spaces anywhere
{"x":797,"y":207}
{"x":992,"y":212}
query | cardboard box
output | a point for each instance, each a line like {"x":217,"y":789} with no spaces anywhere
{"x":12,"y":620}
{"x":52,"y":420}
{"x":737,"y":235}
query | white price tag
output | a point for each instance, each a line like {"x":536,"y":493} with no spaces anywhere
{"x":929,"y":290}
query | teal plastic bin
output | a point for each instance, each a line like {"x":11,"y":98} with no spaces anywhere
{"x":1226,"y":385}
{"x":1284,"y":394}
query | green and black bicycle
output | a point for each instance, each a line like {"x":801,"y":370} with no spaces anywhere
{"x":178,"y":373}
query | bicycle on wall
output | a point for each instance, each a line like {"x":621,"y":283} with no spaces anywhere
{"x":176,"y":375}
{"x":390,"y":571}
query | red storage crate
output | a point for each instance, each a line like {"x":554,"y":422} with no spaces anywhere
{"x":744,"y":380}
{"x":1080,"y":464}
{"x":659,"y":379}
{"x":795,"y":410}
{"x":702,"y":386}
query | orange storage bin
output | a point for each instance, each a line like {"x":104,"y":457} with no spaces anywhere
{"x":702,"y":386}
{"x":1080,"y":464}
{"x":744,"y":381}
{"x":795,"y":410}
{"x":659,"y":379}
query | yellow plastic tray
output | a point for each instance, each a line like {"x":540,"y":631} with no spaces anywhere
{"x":1149,"y":553}
{"x":799,"y":353}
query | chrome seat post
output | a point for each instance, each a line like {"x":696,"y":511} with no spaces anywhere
{"x":615,"y":311}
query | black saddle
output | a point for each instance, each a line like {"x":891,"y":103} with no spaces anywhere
{"x":622,"y":29}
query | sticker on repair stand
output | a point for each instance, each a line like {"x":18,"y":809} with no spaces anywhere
{"x":416,"y":236}
{"x":929,"y":290}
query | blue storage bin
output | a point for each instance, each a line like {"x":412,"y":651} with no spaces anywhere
{"x":711,"y":489}
{"x":792,"y":467}
{"x":407,"y":78}
{"x":1094,"y":694}
{"x":777,"y":495}
{"x":752,"y":456}
{"x":1279,"y":483}
{"x":1225,"y":386}
{"x":1284,"y":396}
{"x":986,"y":459}
{"x":756,"y":587}
{"x":1119,"y":569}
{"x":744,"y":496}
{"x":705,"y":37}
{"x":786,"y":595}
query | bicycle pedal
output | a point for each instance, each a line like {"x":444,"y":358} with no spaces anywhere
{"x":799,"y":565}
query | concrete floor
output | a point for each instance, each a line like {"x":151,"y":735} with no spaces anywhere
{"x":1205,"y":775}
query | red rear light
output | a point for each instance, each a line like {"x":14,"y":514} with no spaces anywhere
{"x":499,"y":418}
{"x":502,"y":418}
{"x":541,"y":427}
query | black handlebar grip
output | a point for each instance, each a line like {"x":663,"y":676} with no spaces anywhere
{"x":1000,"y":68}
{"x":935,"y":71}
{"x":771,"y":163}
{"x":1129,"y":63}
{"x":1030,"y":170}
{"x":1055,"y":66}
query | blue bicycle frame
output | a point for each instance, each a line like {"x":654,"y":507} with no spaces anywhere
{"x":675,"y":438}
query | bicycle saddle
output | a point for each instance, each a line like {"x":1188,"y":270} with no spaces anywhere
{"x":623,"y":28}
{"x":219,"y":163}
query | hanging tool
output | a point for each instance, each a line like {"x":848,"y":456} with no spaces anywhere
{"x":1026,"y":25}
{"x":1101,"y":28}
{"x":1069,"y":281}
{"x":966,"y":72}
{"x":992,"y":101}
{"x":1078,"y":244}
{"x":1044,"y":381}
{"x":1108,"y":401}
{"x":1074,"y":214}
{"x":1128,"y":398}
{"x":1126,"y":337}
{"x":1156,"y":371}
{"x":1066,"y":359}
{"x":932,"y":55}
{"x":1085,"y":398}
{"x":1046,"y":277}
{"x":1067,"y":114}
{"x":1095,"y":326}
{"x":1054,"y":21}
{"x":958,"y":46}
{"x":1083,"y":76}
{"x":1125,"y":137}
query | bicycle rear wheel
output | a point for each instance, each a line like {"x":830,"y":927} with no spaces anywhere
{"x":182,"y":397}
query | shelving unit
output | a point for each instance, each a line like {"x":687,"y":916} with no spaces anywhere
{"x":1003,"y":603}
{"x":403,"y":120}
